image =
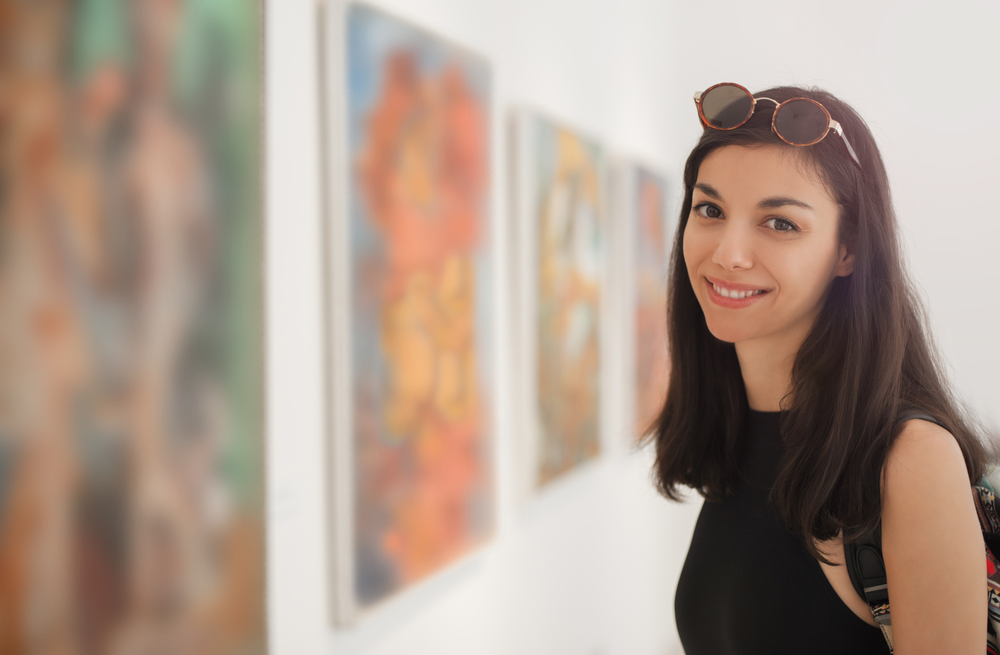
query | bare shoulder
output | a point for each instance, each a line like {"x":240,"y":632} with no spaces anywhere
{"x":927,"y":454}
{"x":926,"y":491}
{"x":930,"y":526}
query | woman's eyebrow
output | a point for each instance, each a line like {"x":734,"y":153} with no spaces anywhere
{"x":767,"y":203}
{"x":708,"y":190}
{"x":781,"y":201}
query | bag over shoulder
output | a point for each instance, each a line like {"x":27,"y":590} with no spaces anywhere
{"x":866,"y":567}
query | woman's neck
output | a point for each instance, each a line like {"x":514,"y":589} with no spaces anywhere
{"x":766,"y":365}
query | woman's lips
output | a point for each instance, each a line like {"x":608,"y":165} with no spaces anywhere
{"x":728,"y":296}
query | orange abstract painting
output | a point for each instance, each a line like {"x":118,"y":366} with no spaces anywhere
{"x":419,"y":230}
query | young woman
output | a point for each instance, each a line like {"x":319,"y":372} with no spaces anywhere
{"x":799,"y":355}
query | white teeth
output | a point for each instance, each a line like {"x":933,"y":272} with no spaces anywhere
{"x":726,"y":293}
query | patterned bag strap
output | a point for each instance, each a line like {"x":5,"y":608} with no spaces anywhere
{"x":986,"y":509}
{"x":867,"y":572}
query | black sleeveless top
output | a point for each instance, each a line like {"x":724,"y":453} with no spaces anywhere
{"x":749,"y":585}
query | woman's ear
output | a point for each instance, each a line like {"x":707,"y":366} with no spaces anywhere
{"x":845,"y":260}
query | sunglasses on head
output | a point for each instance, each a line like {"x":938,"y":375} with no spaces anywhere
{"x":796,"y":121}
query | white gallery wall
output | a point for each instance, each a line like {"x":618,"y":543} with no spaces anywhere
{"x":589,"y":567}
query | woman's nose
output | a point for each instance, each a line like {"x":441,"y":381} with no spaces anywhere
{"x":734,"y":251}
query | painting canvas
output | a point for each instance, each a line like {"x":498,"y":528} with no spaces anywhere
{"x":562,"y":183}
{"x":648,"y":259}
{"x":413,"y":444}
{"x":131,"y":431}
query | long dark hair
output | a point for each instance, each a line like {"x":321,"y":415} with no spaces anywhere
{"x":865,"y":365}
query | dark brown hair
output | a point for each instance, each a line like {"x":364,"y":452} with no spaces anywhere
{"x":865,"y":365}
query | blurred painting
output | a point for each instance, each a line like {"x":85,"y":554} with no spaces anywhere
{"x":418,"y":152}
{"x":649,"y":261}
{"x":131,"y":444}
{"x":570,"y":232}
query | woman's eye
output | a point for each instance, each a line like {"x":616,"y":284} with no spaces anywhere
{"x":781,"y":225}
{"x":708,"y":211}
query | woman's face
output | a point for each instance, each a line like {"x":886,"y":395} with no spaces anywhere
{"x":761,"y":244}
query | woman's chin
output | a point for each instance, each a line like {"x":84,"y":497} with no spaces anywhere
{"x":728,"y":332}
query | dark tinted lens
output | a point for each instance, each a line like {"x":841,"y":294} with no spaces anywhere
{"x":725,"y":107}
{"x":801,"y":122}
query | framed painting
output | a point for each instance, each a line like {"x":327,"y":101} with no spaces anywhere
{"x":645,"y":255}
{"x":411,"y":303}
{"x":131,"y":321}
{"x":561,"y":263}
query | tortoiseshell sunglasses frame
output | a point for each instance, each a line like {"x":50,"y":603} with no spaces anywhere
{"x":831,"y":124}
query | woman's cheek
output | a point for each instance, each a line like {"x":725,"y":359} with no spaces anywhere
{"x":692,"y":248}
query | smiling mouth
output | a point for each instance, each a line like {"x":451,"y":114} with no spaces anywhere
{"x":736,"y":294}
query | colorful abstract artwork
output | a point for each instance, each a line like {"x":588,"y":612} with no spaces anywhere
{"x":131,"y":352}
{"x":421,"y":303}
{"x":564,"y":189}
{"x":649,"y":262}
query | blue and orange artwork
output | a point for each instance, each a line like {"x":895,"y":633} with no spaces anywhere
{"x":571,"y":225}
{"x":421,"y":280}
{"x":649,"y":261}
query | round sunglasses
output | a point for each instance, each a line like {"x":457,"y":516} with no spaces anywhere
{"x":796,"y":121}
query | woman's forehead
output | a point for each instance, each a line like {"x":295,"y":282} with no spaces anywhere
{"x":748,"y":174}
